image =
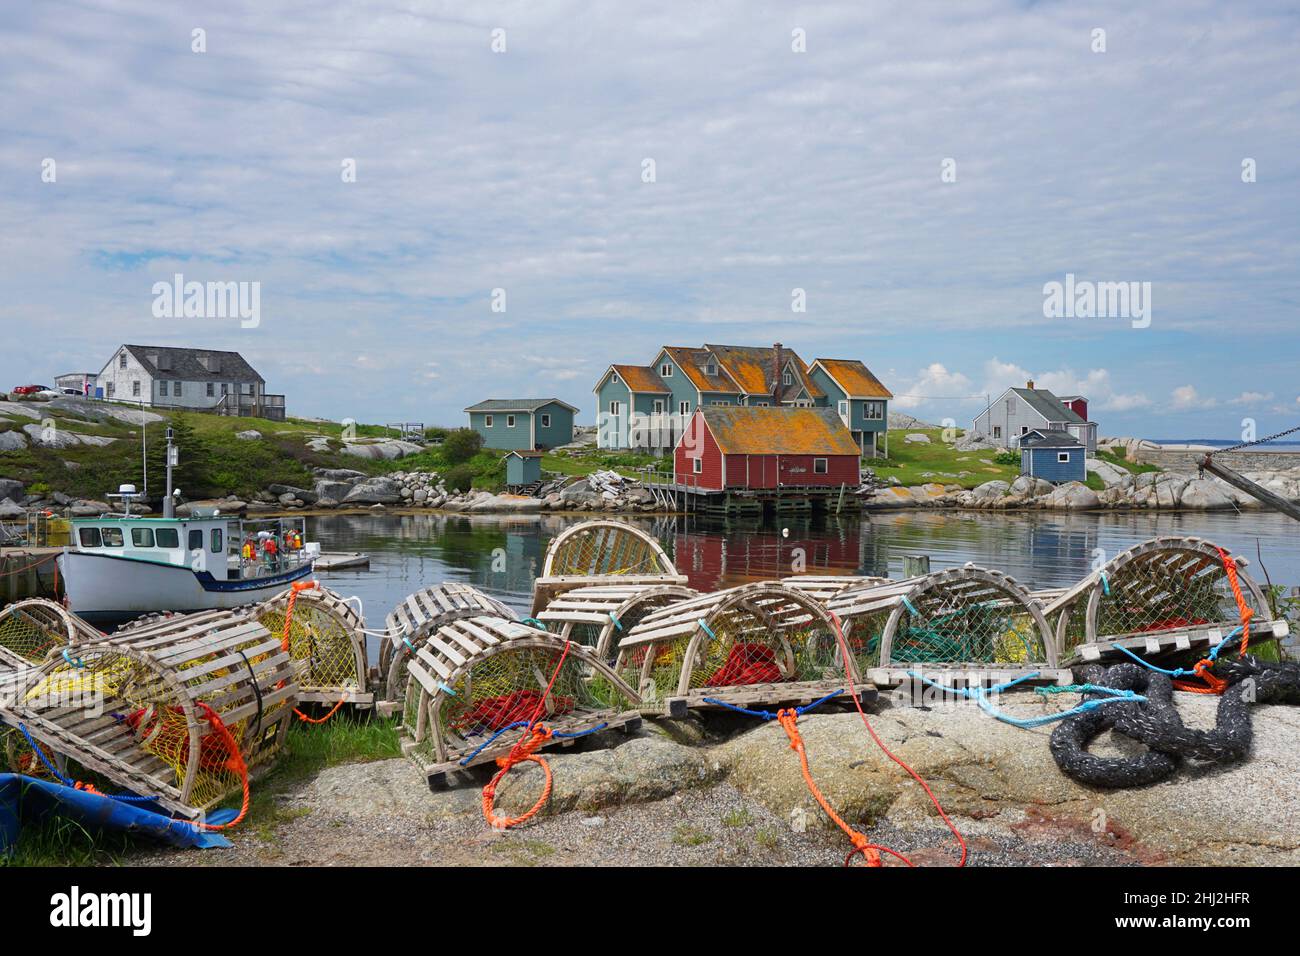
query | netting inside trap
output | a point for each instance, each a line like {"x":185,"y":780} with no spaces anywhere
{"x":326,"y":641}
{"x":30,"y":629}
{"x":605,"y":547}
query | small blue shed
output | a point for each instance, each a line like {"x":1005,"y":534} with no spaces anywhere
{"x":523,"y":467}
{"x":1053,"y":455}
{"x":511,"y":424}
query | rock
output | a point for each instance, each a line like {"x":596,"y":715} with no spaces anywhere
{"x":11,"y":488}
{"x":381,"y":449}
{"x":300,"y":493}
{"x":43,"y":437}
{"x":287,"y":498}
{"x":1029,"y":487}
{"x":1205,"y":494}
{"x":251,"y":434}
{"x":916,"y":438}
{"x":13,"y":440}
{"x":98,"y":411}
{"x":420,"y":496}
{"x":372,"y":491}
{"x":515,"y":503}
{"x":337,"y":490}
{"x":1109,"y":474}
{"x":974,"y":441}
{"x":340,"y":474}
{"x":225,"y":505}
{"x":318,"y":444}
{"x":327,"y":503}
{"x":1072,"y":496}
{"x":990,"y":489}
{"x":15,"y":410}
{"x":11,"y":509}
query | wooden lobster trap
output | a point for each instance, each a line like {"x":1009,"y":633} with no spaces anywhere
{"x":413,"y":621}
{"x":477,"y":680}
{"x":178,"y":711}
{"x":823,"y":587}
{"x":1166,"y":595}
{"x":598,"y":615}
{"x":31,"y":629}
{"x":756,"y":643}
{"x":327,"y":642}
{"x":601,"y":552}
{"x":964,"y":626}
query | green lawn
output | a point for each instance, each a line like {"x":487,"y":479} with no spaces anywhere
{"x":916,"y":464}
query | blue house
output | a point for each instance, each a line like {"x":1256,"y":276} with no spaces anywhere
{"x":522,"y":423}
{"x":523,"y":467}
{"x":1053,"y":455}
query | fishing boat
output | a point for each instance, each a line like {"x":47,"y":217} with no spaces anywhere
{"x":120,"y":566}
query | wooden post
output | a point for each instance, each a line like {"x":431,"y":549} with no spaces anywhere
{"x":1277,"y":502}
{"x":915,"y":565}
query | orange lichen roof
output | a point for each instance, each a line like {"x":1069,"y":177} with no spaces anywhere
{"x":640,"y":378}
{"x":751,"y":367}
{"x":855,"y":378}
{"x":692,"y":362}
{"x":747,"y":430}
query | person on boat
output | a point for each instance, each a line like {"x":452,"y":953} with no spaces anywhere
{"x":270,"y":550}
{"x":248,"y":557}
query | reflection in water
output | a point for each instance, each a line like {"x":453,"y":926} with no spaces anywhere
{"x":501,"y":555}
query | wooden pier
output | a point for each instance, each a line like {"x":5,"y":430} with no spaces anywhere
{"x":753,"y":502}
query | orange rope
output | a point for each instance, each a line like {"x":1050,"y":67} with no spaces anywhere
{"x":299,"y":586}
{"x":1216,"y":685}
{"x":525,"y":751}
{"x":35,"y":564}
{"x":235,"y":763}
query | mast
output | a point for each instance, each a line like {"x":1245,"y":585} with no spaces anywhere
{"x":173,"y":458}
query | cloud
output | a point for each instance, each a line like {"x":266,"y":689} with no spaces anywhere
{"x":933,"y":384}
{"x":1186,"y":398}
{"x":1251,"y":398}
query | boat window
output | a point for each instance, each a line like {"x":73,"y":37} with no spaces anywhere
{"x":89,"y":537}
{"x":112,"y":537}
{"x":167,"y":538}
{"x":216,"y":541}
{"x":196,"y":541}
{"x":142,"y":537}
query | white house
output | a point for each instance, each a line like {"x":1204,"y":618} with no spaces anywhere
{"x":189,"y":379}
{"x":1018,"y":411}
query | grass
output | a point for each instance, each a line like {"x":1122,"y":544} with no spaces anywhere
{"x":767,"y":838}
{"x":686,"y":835}
{"x":738,"y":817}
{"x":1134,"y":467}
{"x":308,"y":749}
{"x":918,"y":463}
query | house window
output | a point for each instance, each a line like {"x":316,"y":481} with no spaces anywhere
{"x":873,"y":411}
{"x":212,"y":390}
{"x":613,"y":409}
{"x":763,"y":404}
{"x":225,"y":388}
{"x":997,"y":431}
{"x":1010,"y":405}
{"x":546,"y":421}
{"x":697,"y":465}
{"x":176,"y":389}
{"x":1063,"y":457}
{"x":665,"y":370}
{"x":110,"y":389}
{"x":785,"y":378}
{"x":819,"y":466}
{"x":162,"y":389}
{"x":659,"y":406}
{"x":844,"y":409}
{"x":510,"y":421}
{"x":135,"y":388}
{"x":710,"y":369}
{"x":683,"y":408}
{"x":142,"y":537}
{"x":487,"y":421}
{"x":121,"y":360}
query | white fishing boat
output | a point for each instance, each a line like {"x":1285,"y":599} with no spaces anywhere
{"x":120,"y":566}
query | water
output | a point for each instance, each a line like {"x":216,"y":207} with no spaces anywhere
{"x":502,"y":555}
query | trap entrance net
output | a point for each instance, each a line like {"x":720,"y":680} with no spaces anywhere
{"x":156,"y":711}
{"x":1169,"y":594}
{"x":412,"y":622}
{"x":972,"y":624}
{"x":476,"y":678}
{"x":604,"y":552}
{"x":757,"y":643}
{"x":30,"y":630}
{"x":598,"y":616}
{"x":327,"y":642}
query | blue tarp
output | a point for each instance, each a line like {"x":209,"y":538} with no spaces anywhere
{"x":28,"y":800}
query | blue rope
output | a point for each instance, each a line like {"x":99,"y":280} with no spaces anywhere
{"x":707,"y":630}
{"x":487,"y":743}
{"x":1180,"y":671}
{"x":68,"y":782}
{"x":767,"y":714}
{"x":1105,"y":584}
{"x":617,"y":623}
{"x":581,"y":733}
{"x":911,"y":610}
{"x":532,"y":620}
{"x":446,"y":690}
{"x":980,"y":696}
{"x":409,"y":646}
{"x":78,"y":663}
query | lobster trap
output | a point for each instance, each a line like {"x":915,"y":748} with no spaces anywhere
{"x":756,"y":643}
{"x":474,"y":682}
{"x":1166,"y":595}
{"x":31,"y":629}
{"x":412,"y":622}
{"x":597,"y":616}
{"x":968,"y":626}
{"x":823,"y":587}
{"x":601,"y":552}
{"x":179,"y":711}
{"x":327,"y":642}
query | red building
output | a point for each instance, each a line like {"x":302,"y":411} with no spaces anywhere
{"x":1076,"y":403}
{"x":764,"y":447}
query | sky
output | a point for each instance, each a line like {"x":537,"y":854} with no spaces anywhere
{"x":542,"y":189}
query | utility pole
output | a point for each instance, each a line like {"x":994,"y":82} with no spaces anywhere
{"x":144,"y":450}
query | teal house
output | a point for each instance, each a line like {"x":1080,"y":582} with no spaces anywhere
{"x":513,"y":424}
{"x":523,"y":467}
{"x":859,"y":399}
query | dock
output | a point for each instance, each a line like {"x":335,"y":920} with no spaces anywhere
{"x":341,"y":561}
{"x":756,"y":502}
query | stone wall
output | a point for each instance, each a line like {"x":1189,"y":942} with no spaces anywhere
{"x":1186,"y":461}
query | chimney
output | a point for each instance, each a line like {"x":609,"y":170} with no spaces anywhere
{"x":777,"y":364}
{"x":1030,"y":384}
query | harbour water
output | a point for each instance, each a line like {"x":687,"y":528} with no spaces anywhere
{"x":502,"y":555}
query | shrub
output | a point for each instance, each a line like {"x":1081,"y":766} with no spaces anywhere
{"x":459,"y":478}
{"x":1006,"y":458}
{"x":461,"y":445}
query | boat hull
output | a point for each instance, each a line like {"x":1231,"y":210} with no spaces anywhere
{"x":105,"y":589}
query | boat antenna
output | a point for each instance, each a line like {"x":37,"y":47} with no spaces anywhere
{"x":173,"y":458}
{"x":144,"y":448}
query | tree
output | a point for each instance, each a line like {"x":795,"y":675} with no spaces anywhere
{"x":462,"y":445}
{"x":459,"y":478}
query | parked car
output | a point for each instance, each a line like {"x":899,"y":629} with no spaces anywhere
{"x":72,"y":391}
{"x":30,"y":389}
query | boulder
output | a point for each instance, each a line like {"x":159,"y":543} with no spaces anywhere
{"x":990,"y":489}
{"x":1204,"y":494}
{"x":97,"y":411}
{"x":339,"y":474}
{"x":249,"y":435}
{"x":43,"y":437}
{"x":916,"y":438}
{"x":302,"y":494}
{"x":1027,"y":486}
{"x":13,"y":441}
{"x":1072,"y":496}
{"x":1109,"y":474}
{"x":974,"y":441}
{"x":327,"y":503}
{"x":381,"y":449}
{"x":11,"y":509}
{"x":11,"y":488}
{"x":373,"y":491}
{"x":338,"y":490}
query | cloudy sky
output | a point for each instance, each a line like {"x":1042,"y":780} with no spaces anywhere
{"x":773,"y":170}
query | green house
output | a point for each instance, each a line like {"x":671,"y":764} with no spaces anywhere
{"x":523,"y":467}
{"x":522,"y":423}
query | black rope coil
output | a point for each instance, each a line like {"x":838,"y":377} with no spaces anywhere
{"x":1157,"y":724}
